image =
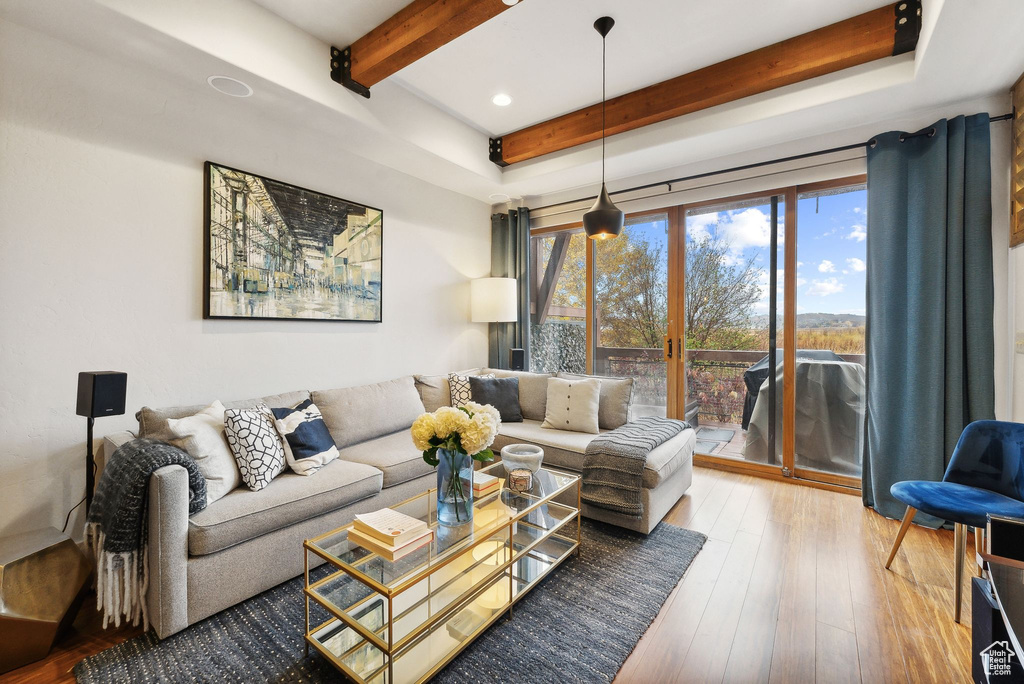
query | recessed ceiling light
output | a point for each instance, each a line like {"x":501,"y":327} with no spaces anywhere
{"x":498,"y":198}
{"x":502,"y":100}
{"x":510,"y":3}
{"x":229,"y":86}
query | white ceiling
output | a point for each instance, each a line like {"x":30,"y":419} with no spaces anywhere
{"x":432,"y":119}
{"x":546,"y":54}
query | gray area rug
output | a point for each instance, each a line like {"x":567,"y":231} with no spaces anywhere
{"x":579,"y":625}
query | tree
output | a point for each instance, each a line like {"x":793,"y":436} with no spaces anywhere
{"x":632,"y":290}
{"x":720,"y":296}
{"x":631,"y":283}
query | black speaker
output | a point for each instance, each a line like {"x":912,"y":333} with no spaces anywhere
{"x":517,"y":359}
{"x":101,"y":393}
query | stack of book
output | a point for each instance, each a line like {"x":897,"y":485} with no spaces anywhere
{"x":484,"y":484}
{"x":389,"y":533}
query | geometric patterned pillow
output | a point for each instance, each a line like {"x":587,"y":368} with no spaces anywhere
{"x":256,"y":445}
{"x":308,"y":444}
{"x":459,"y":387}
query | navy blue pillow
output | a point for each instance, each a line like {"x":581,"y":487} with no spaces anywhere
{"x":308,"y":445}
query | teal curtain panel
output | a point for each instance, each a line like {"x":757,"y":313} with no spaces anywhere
{"x":510,"y":258}
{"x":930,"y":346}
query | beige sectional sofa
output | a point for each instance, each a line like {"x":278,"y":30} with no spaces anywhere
{"x":248,"y":542}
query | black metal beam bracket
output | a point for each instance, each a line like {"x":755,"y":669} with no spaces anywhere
{"x":908,"y":26}
{"x":341,"y":71}
{"x":495,"y":152}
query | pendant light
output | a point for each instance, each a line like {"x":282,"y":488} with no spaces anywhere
{"x":604,"y":220}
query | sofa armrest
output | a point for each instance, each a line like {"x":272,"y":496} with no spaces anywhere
{"x":167,"y":597}
{"x":110,"y":444}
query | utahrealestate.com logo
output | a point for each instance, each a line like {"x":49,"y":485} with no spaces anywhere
{"x":998,"y":658}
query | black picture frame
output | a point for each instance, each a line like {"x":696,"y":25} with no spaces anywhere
{"x":276,"y":251}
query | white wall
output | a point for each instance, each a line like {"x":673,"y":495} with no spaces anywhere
{"x":101,"y":256}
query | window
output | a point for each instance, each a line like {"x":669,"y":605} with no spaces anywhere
{"x":558,"y":310}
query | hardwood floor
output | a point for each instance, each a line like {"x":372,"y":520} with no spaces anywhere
{"x":788,"y":588}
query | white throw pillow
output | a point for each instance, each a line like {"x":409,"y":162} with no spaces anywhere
{"x":202,"y":436}
{"x":573,"y":405}
{"x":458,"y":385}
{"x":256,"y":445}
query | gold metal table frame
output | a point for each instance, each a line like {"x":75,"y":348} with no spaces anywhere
{"x":392,"y":622}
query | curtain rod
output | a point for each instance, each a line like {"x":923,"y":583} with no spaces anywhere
{"x":745,"y":167}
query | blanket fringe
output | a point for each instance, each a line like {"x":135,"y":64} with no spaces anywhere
{"x":122,"y":581}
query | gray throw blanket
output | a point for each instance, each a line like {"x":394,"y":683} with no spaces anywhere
{"x":117,"y":525}
{"x":613,"y":466}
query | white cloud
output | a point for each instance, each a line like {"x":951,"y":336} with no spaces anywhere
{"x":826,"y":266}
{"x":748,"y":228}
{"x":740,"y":230}
{"x":857,"y":210}
{"x":856,"y":265}
{"x":858,"y":232}
{"x":823,"y":288}
{"x":800,"y":282}
{"x":698,"y":227}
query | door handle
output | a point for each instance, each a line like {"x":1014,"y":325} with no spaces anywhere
{"x":668,"y":348}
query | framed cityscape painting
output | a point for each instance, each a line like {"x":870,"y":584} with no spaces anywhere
{"x":277,"y":251}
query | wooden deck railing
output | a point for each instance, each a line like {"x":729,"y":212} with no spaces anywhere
{"x":605,"y":355}
{"x":714,"y":377}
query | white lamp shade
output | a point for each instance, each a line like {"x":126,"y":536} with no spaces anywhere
{"x":493,"y":300}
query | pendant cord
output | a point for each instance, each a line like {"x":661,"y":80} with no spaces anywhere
{"x":604,"y":76}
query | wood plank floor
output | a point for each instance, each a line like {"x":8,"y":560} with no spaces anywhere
{"x":789,"y":588}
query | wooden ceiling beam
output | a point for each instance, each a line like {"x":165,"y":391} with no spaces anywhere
{"x":414,"y":32}
{"x":887,"y":31}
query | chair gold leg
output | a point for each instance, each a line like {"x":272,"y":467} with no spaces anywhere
{"x":908,"y":517}
{"x":960,"y":549}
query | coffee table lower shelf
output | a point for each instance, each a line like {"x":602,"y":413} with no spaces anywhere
{"x":423,"y":657}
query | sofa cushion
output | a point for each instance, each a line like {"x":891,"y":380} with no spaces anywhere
{"x":153,"y":422}
{"x":257,"y":446}
{"x":244,"y":514}
{"x":533,"y":390}
{"x":563,"y":449}
{"x":572,"y":405}
{"x":357,"y":414}
{"x":501,"y":393}
{"x":616,"y":399}
{"x":203,"y":437}
{"x":393,"y":454}
{"x":435,"y":391}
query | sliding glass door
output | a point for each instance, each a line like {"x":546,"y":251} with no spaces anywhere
{"x":830,"y":364}
{"x":733,"y":280}
{"x":743,"y":315}
{"x":631,"y":310}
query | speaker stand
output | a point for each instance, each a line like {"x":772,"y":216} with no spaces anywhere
{"x":90,"y":465}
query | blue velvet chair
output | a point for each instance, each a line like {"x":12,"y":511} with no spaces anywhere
{"x":985,"y":475}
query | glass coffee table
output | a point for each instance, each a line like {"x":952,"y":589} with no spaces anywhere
{"x":392,"y":622}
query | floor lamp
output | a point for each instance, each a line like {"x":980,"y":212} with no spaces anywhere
{"x":494,"y":300}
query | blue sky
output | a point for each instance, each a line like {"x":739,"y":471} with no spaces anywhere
{"x":831,"y":248}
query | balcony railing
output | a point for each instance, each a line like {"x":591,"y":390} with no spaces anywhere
{"x":714,"y":377}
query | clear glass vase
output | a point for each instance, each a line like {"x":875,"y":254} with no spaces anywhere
{"x":454,"y":488}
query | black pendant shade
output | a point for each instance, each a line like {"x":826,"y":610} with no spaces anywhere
{"x":604,"y":220}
